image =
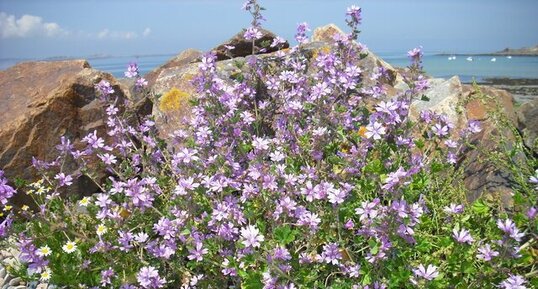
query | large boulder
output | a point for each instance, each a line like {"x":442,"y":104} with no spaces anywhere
{"x":238,"y":46}
{"x":483,"y":175}
{"x":527,"y":117}
{"x":370,"y":64}
{"x":443,"y":96}
{"x":39,"y":103}
{"x":182,"y":59}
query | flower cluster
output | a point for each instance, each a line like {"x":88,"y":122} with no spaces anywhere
{"x":296,"y":174}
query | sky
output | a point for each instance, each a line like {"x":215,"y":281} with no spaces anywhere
{"x":34,"y":29}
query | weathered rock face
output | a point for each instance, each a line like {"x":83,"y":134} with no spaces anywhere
{"x":182,"y":59}
{"x":444,"y":97}
{"x":40,"y":102}
{"x":528,"y":124}
{"x":243,"y":47}
{"x":368,"y":65}
{"x":482,"y":176}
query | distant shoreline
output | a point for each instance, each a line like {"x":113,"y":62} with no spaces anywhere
{"x":525,"y":51}
{"x":487,"y":54}
{"x":523,"y":89}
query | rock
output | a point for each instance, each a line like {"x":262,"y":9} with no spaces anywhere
{"x":243,"y":47}
{"x":478,"y":110}
{"x":326,"y":33}
{"x":40,"y":102}
{"x":444,"y":97}
{"x":16,"y":281}
{"x":527,"y":121}
{"x":42,"y":286}
{"x":482,"y":176}
{"x":169,"y":119}
{"x":182,"y":59}
{"x":370,"y":64}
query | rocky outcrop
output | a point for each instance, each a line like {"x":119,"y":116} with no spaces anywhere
{"x":39,"y":103}
{"x":238,"y":46}
{"x":443,"y":96}
{"x":527,"y":117}
{"x":182,"y":59}
{"x":371,"y":63}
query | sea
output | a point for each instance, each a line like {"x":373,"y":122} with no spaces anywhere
{"x":468,"y":67}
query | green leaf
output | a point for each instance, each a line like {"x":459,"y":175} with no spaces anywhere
{"x":480,"y":207}
{"x":424,"y":98}
{"x":284,"y":235}
{"x":252,"y":280}
{"x":374,"y":247}
{"x":367,"y":279}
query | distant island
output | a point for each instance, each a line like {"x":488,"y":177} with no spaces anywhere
{"x":525,"y":51}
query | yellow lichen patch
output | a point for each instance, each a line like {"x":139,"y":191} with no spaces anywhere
{"x":362,"y":131}
{"x":173,"y":100}
{"x":322,"y":50}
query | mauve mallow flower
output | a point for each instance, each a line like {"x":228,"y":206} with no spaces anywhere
{"x":251,"y":236}
{"x":462,"y":236}
{"x":486,"y":253}
{"x":148,"y":277}
{"x":514,"y":282}
{"x":132,"y":70}
{"x":429,"y":273}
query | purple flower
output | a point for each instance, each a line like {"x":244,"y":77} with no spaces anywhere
{"x":141,"y":83}
{"x":474,"y":126}
{"x":331,"y":254}
{"x":428,"y":273}
{"x":106,"y":276}
{"x":166,"y":228}
{"x":415,"y":53}
{"x":148,"y":277}
{"x":462,"y":236}
{"x":64,"y":180}
{"x":300,"y":36}
{"x":277,"y":41}
{"x":132,"y":70}
{"x":510,"y":229}
{"x":355,"y":13}
{"x":5,"y":226}
{"x":368,"y":210}
{"x":198,"y":252}
{"x":6,"y":191}
{"x":453,"y":209}
{"x":375,"y":130}
{"x":252,"y":33}
{"x":309,"y":219}
{"x":514,"y":282}
{"x":440,"y":130}
{"x":251,"y":237}
{"x":336,"y":196}
{"x":104,"y":88}
{"x":108,"y":159}
{"x":486,"y":253}
{"x":260,"y":144}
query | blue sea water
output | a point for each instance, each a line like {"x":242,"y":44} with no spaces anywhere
{"x":435,"y":65}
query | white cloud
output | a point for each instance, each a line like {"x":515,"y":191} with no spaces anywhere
{"x":128,"y":35}
{"x":26,"y":26}
{"x":146,"y":32}
{"x":110,"y":34}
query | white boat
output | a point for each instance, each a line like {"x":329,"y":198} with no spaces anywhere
{"x":469,"y":58}
{"x":509,"y":57}
{"x":493,"y":59}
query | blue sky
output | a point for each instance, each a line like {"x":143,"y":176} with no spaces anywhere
{"x":40,"y":28}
